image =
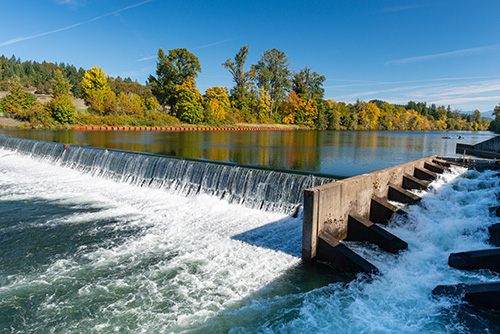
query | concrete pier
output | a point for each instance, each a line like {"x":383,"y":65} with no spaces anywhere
{"x":475,"y":260}
{"x":353,"y":210}
{"x":483,"y":294}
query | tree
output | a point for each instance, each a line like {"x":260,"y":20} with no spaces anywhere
{"x":171,"y":71}
{"x":307,"y":85}
{"x":189,"y":102}
{"x":217,"y":100}
{"x":241,"y":77}
{"x":94,"y":80}
{"x":271,"y":74}
{"x":17,"y":99}
{"x":96,"y":91}
{"x":61,"y":106}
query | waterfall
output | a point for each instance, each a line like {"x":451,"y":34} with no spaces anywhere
{"x":252,"y":187}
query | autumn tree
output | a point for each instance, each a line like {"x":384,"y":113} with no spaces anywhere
{"x":17,"y":99}
{"x":241,"y":78}
{"x":271,"y":73}
{"x":96,"y":91}
{"x":188,"y":102}
{"x":173,"y":70}
{"x":217,"y":101}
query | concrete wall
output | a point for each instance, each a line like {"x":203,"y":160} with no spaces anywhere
{"x":326,"y":207}
{"x":487,"y":149}
{"x":492,"y":144}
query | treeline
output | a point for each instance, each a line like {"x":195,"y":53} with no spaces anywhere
{"x":266,"y":92}
{"x":270,"y":92}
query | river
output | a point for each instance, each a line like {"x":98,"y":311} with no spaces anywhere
{"x":86,"y":254}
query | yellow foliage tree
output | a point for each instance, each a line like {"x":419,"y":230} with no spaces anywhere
{"x":218,"y":100}
{"x":263,"y":106}
{"x":96,"y":91}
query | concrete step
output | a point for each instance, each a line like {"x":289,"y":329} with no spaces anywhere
{"x":382,"y":211}
{"x":494,"y":234}
{"x":411,"y":182}
{"x":337,"y":255}
{"x":401,"y":195}
{"x":475,"y":260}
{"x":483,"y":294}
{"x":435,"y":168}
{"x":447,"y":163}
{"x":361,"y":229}
{"x":424,"y":174}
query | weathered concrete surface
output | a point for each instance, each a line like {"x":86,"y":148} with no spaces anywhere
{"x":339,"y":256}
{"x":494,"y":234}
{"x":401,"y":195}
{"x":474,"y":260}
{"x":483,"y":294}
{"x":362,"y":229}
{"x":327,"y":207}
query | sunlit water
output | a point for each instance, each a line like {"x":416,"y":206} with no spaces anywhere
{"x":336,"y":153}
{"x":82,"y":254}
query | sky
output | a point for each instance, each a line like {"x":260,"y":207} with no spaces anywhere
{"x":445,"y":52}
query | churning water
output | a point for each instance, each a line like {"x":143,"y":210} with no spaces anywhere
{"x":80,"y":253}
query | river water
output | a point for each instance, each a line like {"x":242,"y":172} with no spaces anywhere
{"x":336,"y":153}
{"x":85,"y":254}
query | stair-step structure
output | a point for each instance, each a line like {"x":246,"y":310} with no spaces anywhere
{"x":358,"y":209}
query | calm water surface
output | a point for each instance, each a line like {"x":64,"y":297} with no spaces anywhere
{"x":338,"y":153}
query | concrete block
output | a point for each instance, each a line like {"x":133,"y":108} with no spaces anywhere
{"x":447,"y":163}
{"x":494,"y":234}
{"x":435,"y":168}
{"x":382,"y":211}
{"x":424,"y":174}
{"x":474,"y":260}
{"x":401,"y":195}
{"x":482,"y":294}
{"x":310,"y":224}
{"x":361,"y":229}
{"x":411,"y":182}
{"x":337,"y":255}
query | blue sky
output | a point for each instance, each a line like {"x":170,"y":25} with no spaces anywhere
{"x":440,"y":51}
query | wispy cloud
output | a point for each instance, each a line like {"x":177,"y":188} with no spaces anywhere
{"x":466,"y":93}
{"x":196,"y":48}
{"x":457,"y":53}
{"x":395,"y":9}
{"x":72,"y":4}
{"x":20,"y":39}
{"x":145,"y":58}
{"x":212,"y":44}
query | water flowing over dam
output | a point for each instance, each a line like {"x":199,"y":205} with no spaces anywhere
{"x":252,"y":187}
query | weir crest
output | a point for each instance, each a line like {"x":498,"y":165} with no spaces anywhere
{"x":252,"y":187}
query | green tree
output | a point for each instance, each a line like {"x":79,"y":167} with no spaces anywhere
{"x":17,"y":99}
{"x":307,"y":85}
{"x":271,"y":73}
{"x":171,"y":71}
{"x":189,"y":102}
{"x":61,"y":107}
{"x":241,"y":78}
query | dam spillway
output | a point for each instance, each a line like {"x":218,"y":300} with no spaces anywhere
{"x":257,"y":188}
